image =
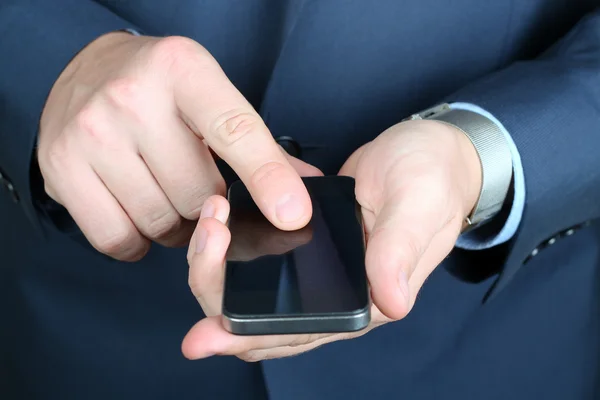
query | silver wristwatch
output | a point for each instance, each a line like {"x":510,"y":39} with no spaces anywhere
{"x":491,"y":146}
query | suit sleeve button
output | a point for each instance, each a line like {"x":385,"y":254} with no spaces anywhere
{"x":290,"y":145}
{"x":9,"y":187}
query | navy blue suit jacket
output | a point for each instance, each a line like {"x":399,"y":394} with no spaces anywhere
{"x":490,"y":324}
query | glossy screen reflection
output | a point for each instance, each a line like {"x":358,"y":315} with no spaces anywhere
{"x":316,"y":270}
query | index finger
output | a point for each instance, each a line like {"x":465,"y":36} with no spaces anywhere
{"x":237,"y":134}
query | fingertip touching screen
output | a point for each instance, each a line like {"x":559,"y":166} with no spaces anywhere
{"x":318,"y":269}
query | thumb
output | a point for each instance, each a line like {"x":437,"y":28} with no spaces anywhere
{"x":206,"y":254}
{"x":402,"y":233}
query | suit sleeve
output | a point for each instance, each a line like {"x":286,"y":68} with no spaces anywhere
{"x":39,"y":38}
{"x":551,"y":108}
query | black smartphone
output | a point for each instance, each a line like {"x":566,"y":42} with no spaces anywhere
{"x":311,"y":280}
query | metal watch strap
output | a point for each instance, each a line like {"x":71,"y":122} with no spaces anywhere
{"x":491,"y":146}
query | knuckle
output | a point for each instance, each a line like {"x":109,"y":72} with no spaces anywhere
{"x":44,"y":154}
{"x":197,"y":195}
{"x":197,"y":289}
{"x":88,"y":118}
{"x":162,"y":225}
{"x":119,"y":242}
{"x":47,"y":189}
{"x":53,"y":156}
{"x":192,"y":210}
{"x":235,"y":125}
{"x":90,"y":122}
{"x":50,"y":192}
{"x":177,"y":52}
{"x":126,"y":94}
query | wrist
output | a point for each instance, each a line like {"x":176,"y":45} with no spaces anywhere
{"x":490,"y":144}
{"x":462,"y":160}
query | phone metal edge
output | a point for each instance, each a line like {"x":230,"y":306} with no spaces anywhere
{"x":298,"y":325}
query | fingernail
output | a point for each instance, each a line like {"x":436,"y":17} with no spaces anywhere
{"x":403,"y":285}
{"x":289,"y":209}
{"x":201,"y":237}
{"x":208,"y":210}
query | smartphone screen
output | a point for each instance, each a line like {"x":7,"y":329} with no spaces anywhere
{"x":319,"y":269}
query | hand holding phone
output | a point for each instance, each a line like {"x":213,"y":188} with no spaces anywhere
{"x":213,"y":243}
{"x":415,"y":183}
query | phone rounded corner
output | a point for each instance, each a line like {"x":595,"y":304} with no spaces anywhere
{"x":229,"y":322}
{"x":226,"y":313}
{"x":233,"y":187}
{"x":347,"y":178}
{"x":362,"y":319}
